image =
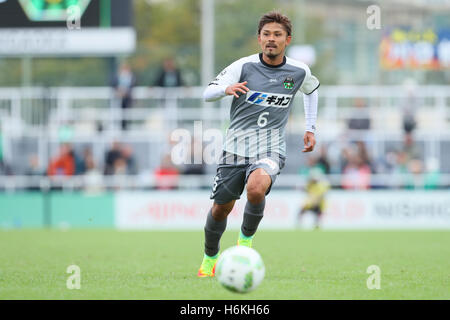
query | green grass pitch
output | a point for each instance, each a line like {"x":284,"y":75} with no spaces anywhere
{"x":163,"y":265}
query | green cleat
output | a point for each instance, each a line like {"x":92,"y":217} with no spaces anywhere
{"x":244,"y":240}
{"x":208,"y":267}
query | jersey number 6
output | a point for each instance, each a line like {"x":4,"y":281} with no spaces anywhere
{"x":262,"y":121}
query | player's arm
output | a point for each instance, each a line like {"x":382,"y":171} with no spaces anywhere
{"x":213,"y":93}
{"x":226,"y":83}
{"x":310,"y":102}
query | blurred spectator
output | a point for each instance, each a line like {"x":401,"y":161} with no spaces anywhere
{"x":356,"y":174}
{"x":401,"y":165}
{"x":166,"y":176}
{"x":364,"y":154}
{"x":88,"y":160}
{"x":334,"y":154}
{"x":120,"y":160}
{"x":64,"y":163}
{"x":416,"y":168}
{"x":344,"y":157}
{"x":323,"y":161}
{"x":385,"y":163}
{"x":416,"y":175}
{"x":360,"y":120}
{"x":169,"y":75}
{"x":93,"y":176}
{"x":409,"y":167}
{"x":111,"y":157}
{"x":411,"y":172}
{"x":409,"y":107}
{"x":127,"y":154}
{"x":80,"y":162}
{"x":34,"y":171}
{"x":83,"y":161}
{"x":34,"y":167}
{"x":311,"y":165}
{"x":123,"y":84}
{"x":359,"y":148}
{"x":421,"y":176}
{"x":4,"y":168}
{"x":120,"y":166}
{"x":432,"y":175}
{"x":410,"y":147}
{"x":409,"y":119}
{"x":401,"y":171}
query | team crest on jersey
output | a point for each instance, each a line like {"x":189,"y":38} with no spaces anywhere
{"x":288,"y":83}
{"x":267,"y":99}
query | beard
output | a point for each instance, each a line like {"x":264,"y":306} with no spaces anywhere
{"x":271,"y":55}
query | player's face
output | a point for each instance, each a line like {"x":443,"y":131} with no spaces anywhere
{"x":273,"y":40}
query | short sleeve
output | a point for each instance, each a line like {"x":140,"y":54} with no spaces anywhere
{"x":310,"y":83}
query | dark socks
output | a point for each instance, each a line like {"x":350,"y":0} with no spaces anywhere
{"x":213,"y":232}
{"x":253,"y":213}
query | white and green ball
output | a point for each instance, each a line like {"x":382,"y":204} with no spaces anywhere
{"x":240,"y":269}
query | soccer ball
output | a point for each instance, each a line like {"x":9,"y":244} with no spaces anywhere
{"x":240,"y":269}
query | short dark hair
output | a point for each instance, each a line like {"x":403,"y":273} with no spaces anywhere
{"x":275,"y":16}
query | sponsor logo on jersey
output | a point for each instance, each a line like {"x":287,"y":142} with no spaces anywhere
{"x":288,"y":83}
{"x":267,"y":99}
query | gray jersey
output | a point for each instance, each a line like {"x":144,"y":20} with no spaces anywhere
{"x":259,"y":117}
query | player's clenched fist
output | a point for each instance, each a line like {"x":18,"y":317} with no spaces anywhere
{"x":235,"y":88}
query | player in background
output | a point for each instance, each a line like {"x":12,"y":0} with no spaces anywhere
{"x":316,"y":189}
{"x":263,"y":87}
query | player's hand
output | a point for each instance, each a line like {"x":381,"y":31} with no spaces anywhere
{"x":235,"y":88}
{"x":310,"y":141}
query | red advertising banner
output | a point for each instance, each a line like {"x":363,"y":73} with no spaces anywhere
{"x":381,"y":209}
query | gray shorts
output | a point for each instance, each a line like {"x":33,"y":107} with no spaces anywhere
{"x":233,"y":172}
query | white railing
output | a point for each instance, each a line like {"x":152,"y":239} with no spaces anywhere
{"x":29,"y":109}
{"x":291,"y":181}
{"x":40,"y":113}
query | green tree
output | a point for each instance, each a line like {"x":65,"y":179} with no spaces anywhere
{"x":167,"y":28}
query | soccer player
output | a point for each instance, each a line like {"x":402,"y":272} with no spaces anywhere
{"x":263,"y":87}
{"x":316,"y":190}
